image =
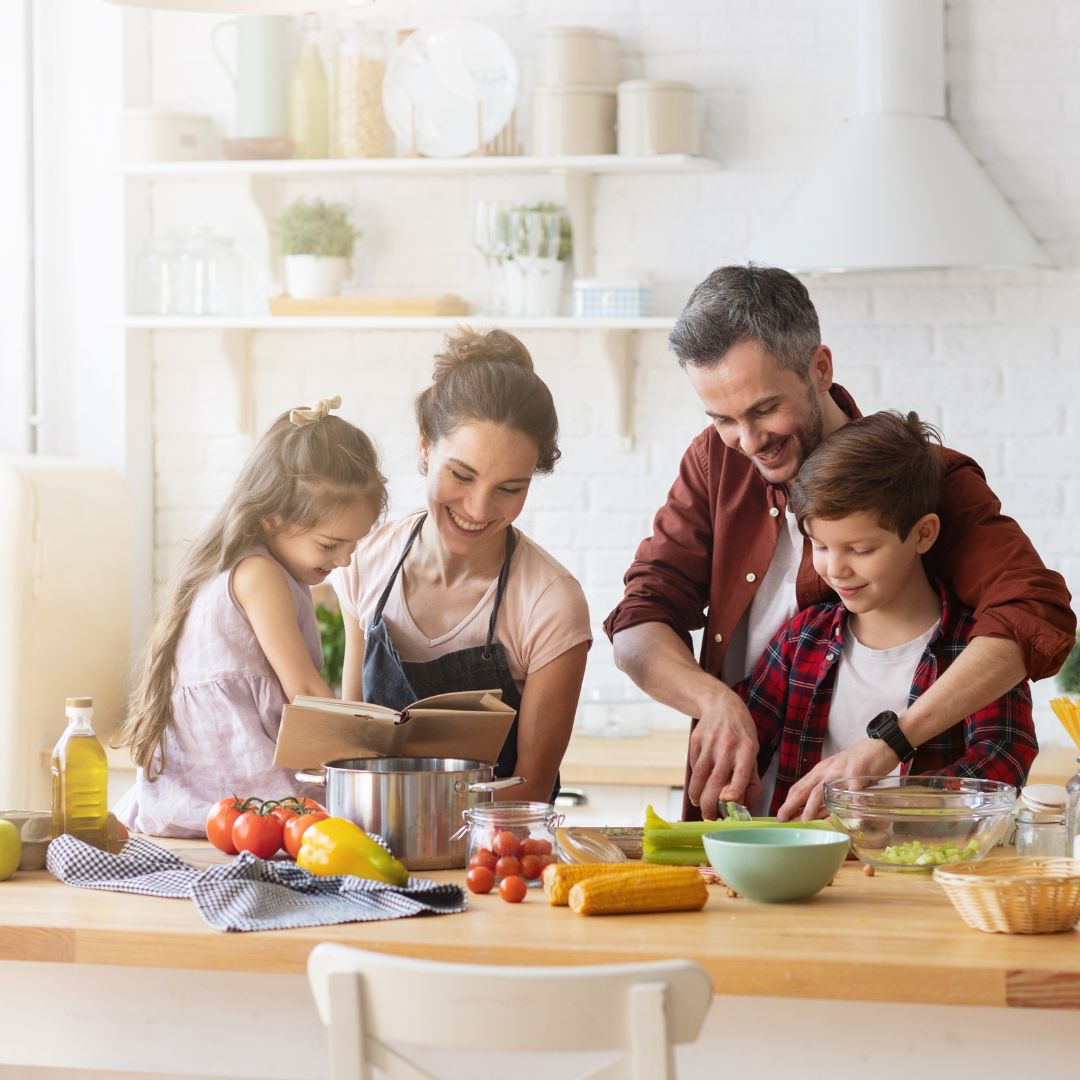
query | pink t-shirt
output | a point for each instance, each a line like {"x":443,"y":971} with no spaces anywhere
{"x":543,"y":612}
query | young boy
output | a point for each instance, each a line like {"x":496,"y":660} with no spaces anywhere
{"x":840,"y":672}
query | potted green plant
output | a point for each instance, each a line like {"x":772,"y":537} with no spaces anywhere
{"x":317,"y":240}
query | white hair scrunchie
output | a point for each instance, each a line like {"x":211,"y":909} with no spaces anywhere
{"x":319,"y":410}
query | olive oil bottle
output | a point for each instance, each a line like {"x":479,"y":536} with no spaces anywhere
{"x":80,"y":777}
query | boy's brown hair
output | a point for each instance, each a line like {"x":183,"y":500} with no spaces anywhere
{"x":885,"y":464}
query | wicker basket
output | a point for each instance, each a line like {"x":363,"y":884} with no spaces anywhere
{"x":1015,"y":896}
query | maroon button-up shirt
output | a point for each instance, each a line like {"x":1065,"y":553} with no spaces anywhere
{"x":714,"y":538}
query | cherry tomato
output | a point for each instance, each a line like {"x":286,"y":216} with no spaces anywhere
{"x":284,"y":813}
{"x":529,"y":846}
{"x":506,"y":843}
{"x":543,"y":847}
{"x":480,"y":879}
{"x":531,"y":866}
{"x":295,"y":828}
{"x":310,"y":805}
{"x":546,"y":860}
{"x":483,"y":857}
{"x":258,"y":833}
{"x":513,"y":889}
{"x":219,"y":823}
{"x":508,"y":866}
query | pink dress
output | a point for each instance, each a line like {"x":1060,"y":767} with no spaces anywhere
{"x":226,"y":705}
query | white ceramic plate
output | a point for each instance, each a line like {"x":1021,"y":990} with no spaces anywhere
{"x":445,"y":77}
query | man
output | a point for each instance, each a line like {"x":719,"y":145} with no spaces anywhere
{"x":725,"y":553}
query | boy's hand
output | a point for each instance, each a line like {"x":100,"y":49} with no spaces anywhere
{"x":723,"y":755}
{"x":869,"y":757}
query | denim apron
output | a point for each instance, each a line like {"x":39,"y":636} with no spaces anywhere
{"x":396,"y":683}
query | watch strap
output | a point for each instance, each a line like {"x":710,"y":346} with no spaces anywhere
{"x":886,"y":726}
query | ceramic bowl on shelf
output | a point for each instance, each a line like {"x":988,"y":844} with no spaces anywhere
{"x":919,"y":822}
{"x":776,"y":865}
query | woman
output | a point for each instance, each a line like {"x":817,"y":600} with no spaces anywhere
{"x":454,"y":598}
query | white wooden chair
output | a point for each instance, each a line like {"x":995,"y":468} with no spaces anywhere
{"x":366,"y":999}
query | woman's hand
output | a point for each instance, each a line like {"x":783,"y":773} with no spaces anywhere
{"x":545,"y":722}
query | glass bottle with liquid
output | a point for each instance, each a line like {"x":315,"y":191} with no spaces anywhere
{"x":309,"y":99}
{"x":80,"y":777}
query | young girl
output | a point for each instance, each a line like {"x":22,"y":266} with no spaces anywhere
{"x":237,"y":638}
{"x":454,"y":597}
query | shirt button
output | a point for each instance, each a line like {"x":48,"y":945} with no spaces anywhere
{"x":774,"y":512}
{"x":718,"y":638}
{"x":830,"y":656}
{"x":751,"y":577}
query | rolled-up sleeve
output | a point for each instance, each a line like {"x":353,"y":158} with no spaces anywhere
{"x":989,"y":562}
{"x":668,"y":581}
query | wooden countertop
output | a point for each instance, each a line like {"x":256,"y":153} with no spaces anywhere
{"x":888,"y":938}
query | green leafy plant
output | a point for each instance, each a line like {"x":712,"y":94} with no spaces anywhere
{"x":332,"y":633}
{"x":1068,"y":678}
{"x":316,"y":228}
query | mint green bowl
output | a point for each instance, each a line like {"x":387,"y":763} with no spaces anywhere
{"x":774,"y":865}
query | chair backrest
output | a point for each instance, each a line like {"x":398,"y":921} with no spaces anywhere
{"x":367,"y":999}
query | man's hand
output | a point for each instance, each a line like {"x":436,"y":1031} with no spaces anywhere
{"x":869,"y":757}
{"x":723,"y":755}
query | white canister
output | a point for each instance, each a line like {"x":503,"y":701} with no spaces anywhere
{"x":573,"y":120}
{"x":160,"y":135}
{"x":576,"y":54}
{"x":657,"y":117}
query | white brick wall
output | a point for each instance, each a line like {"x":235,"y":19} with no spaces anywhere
{"x":993,"y":358}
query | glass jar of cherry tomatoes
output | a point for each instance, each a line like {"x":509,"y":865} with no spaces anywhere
{"x":512,"y":839}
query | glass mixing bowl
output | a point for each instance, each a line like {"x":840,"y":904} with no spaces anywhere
{"x":919,"y":822}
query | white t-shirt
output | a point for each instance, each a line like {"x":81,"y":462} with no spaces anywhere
{"x":774,"y":604}
{"x":543,"y":611}
{"x":869,"y":681}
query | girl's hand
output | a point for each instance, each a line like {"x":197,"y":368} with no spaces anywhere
{"x":260,"y":588}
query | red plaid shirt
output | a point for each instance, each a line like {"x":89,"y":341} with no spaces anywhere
{"x":790,"y":689}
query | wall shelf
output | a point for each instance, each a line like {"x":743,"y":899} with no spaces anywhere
{"x":391,"y":322}
{"x":295,"y":169}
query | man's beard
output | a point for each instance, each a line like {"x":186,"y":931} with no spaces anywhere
{"x":806,"y":441}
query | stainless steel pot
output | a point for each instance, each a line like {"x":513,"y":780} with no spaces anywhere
{"x":414,"y":804}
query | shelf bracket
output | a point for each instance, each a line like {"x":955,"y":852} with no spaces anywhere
{"x":238,"y":347}
{"x":577,"y":197}
{"x":619,"y":355}
{"x":266,"y":195}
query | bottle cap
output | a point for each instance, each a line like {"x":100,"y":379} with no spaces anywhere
{"x":79,"y":703}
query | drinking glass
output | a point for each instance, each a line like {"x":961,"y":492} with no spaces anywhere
{"x":491,"y":237}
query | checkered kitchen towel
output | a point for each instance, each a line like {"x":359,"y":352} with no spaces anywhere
{"x":247,"y":893}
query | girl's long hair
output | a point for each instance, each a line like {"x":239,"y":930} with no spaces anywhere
{"x":303,"y":470}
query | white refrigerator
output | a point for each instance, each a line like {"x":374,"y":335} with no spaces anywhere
{"x":65,"y":562}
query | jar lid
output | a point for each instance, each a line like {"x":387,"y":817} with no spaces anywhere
{"x":645,"y":86}
{"x":1043,"y":797}
{"x":572,"y":89}
{"x":576,"y":31}
{"x":79,"y":703}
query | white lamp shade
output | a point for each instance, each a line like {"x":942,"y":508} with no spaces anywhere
{"x":897,"y":192}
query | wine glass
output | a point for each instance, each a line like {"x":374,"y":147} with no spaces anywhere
{"x":491,"y":237}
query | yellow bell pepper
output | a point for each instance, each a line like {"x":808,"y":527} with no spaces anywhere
{"x":337,"y":846}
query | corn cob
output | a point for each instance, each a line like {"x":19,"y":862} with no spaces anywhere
{"x":559,"y":878}
{"x":673,"y":888}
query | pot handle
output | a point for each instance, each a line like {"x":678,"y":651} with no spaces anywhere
{"x":318,"y":778}
{"x":494,"y":785}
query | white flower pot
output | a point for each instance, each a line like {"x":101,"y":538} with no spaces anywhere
{"x":311,"y":276}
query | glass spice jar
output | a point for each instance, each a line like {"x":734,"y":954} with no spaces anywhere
{"x":512,"y":838}
{"x":360,"y":129}
{"x":1040,"y":821}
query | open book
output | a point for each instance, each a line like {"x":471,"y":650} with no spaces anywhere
{"x":470,"y":724}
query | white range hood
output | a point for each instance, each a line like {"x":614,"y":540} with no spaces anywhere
{"x":897,"y":189}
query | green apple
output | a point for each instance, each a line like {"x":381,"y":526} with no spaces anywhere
{"x":10,"y":849}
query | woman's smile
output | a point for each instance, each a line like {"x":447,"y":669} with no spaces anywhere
{"x":465,"y":525}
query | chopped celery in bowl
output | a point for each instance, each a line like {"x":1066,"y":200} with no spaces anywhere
{"x":915,"y":823}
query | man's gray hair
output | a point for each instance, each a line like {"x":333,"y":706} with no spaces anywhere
{"x":748,"y":303}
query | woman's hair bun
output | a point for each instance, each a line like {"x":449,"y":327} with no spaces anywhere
{"x":468,"y":346}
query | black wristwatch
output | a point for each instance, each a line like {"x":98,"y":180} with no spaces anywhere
{"x":885,"y":726}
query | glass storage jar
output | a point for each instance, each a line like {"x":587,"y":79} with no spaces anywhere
{"x":512,"y":838}
{"x":1072,"y":814}
{"x":1040,"y":832}
{"x":360,"y":129}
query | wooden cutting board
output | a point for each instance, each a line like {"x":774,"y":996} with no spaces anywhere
{"x":345,"y":306}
